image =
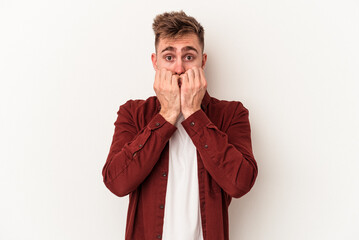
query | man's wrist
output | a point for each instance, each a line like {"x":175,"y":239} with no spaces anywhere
{"x":170,"y":117}
{"x":187,"y":113}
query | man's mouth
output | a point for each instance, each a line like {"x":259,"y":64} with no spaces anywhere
{"x":179,"y":82}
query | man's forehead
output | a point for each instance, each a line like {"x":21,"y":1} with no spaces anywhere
{"x":182,"y":49}
{"x":183,"y":43}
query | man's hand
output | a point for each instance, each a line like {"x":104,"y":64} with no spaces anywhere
{"x":168,"y":93}
{"x":193,"y":88}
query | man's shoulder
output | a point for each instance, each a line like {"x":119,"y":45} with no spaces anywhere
{"x":223,"y":105}
{"x":224,"y":113}
{"x":150,"y":104}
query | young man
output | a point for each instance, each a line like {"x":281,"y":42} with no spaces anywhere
{"x":180,"y":155}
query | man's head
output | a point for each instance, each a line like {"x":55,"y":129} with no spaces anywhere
{"x":179,"y":42}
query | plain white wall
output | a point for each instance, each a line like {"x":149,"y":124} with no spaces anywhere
{"x":66,"y":67}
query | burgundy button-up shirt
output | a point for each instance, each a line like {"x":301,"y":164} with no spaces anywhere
{"x":137,"y":163}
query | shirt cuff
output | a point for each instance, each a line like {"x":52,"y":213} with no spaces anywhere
{"x":196,"y":122}
{"x":161,"y":126}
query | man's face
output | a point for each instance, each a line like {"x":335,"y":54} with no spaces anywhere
{"x":178,"y":55}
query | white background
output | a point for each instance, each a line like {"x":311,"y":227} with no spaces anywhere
{"x":66,"y":67}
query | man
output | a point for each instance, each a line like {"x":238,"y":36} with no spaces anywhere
{"x":180,"y":155}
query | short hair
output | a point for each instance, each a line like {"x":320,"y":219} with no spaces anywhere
{"x":176,"y":24}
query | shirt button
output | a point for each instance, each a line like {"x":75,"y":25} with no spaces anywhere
{"x":157,"y":124}
{"x":206,"y":146}
{"x":164,"y":174}
{"x":134,"y":155}
{"x":159,"y":236}
{"x":192,"y":123}
{"x":162,"y":207}
{"x":140,"y":145}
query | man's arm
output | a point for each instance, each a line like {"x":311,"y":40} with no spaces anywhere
{"x":133,"y":154}
{"x":227,"y":156}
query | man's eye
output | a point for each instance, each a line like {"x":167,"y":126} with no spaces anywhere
{"x":188,"y":57}
{"x":168,"y":58}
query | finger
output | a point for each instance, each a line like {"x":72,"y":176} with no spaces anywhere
{"x":197,"y":77}
{"x":203,"y":77}
{"x":157,"y":76}
{"x":162,"y":76}
{"x":174,"y":81}
{"x":190,"y":75}
{"x":184,"y":79}
{"x":168,"y":77}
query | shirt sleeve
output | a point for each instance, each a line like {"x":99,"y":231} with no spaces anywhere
{"x":134,"y":153}
{"x":227,"y":156}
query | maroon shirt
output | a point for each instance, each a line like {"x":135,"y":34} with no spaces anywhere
{"x":137,"y":163}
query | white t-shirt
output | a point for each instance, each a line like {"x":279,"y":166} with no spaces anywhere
{"x":182,"y":217}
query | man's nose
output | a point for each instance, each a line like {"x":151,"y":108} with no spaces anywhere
{"x":179,"y":68}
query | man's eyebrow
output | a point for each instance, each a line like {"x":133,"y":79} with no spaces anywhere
{"x":187,"y":48}
{"x":168,"y":49}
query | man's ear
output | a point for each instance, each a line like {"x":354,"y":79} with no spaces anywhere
{"x":204,"y":60}
{"x":154,"y":61}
